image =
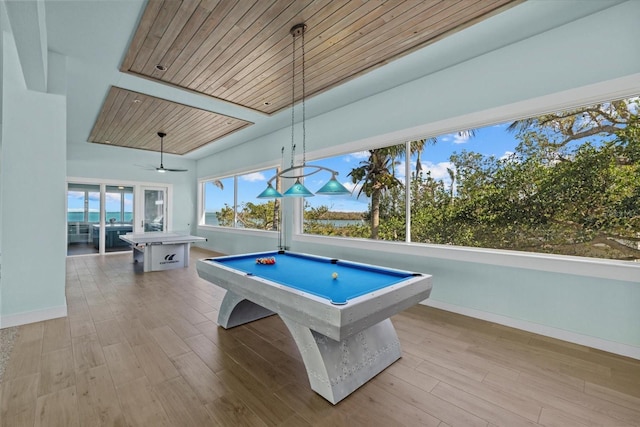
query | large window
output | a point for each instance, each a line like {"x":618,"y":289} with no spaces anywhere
{"x":232,"y":202}
{"x":83,"y":212}
{"x":563,"y":183}
{"x":119,"y":204}
{"x":83,"y":217}
{"x":219,"y":199}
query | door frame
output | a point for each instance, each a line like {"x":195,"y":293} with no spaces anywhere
{"x":139,"y":207}
{"x":138,"y":192}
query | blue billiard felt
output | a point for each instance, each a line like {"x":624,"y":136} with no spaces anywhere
{"x":313,"y":274}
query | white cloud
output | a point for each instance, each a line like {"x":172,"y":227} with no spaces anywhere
{"x":399,"y":170}
{"x":354,"y":188}
{"x":360,"y":155}
{"x":438,"y":170}
{"x":254,"y":177}
{"x":461,"y":138}
{"x":455,"y":138}
{"x":508,"y":155}
{"x":82,"y":210}
{"x":112,"y":197}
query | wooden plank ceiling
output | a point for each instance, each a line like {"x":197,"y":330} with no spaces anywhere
{"x":132,"y":119}
{"x":241,"y":51}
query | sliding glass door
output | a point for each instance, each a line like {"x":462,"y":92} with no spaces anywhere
{"x":83,"y":213}
{"x":118,"y":217}
{"x":99,"y":212}
{"x":154,"y":208}
{"x":87,"y":228}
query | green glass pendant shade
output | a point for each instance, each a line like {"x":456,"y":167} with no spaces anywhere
{"x":333,"y":188}
{"x":270,"y":193}
{"x":298,"y":190}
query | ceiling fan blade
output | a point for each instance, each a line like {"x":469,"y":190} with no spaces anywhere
{"x":162,"y":169}
{"x":146,"y":167}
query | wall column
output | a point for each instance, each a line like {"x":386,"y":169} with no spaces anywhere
{"x":32,"y":220}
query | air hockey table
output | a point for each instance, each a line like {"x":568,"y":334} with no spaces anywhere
{"x":158,"y":251}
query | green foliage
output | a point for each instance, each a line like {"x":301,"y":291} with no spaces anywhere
{"x":263,"y":216}
{"x":225,"y":216}
{"x":571,"y":187}
{"x":322,"y":221}
{"x":377,"y":177}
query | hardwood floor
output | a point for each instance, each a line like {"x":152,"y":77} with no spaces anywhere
{"x":144,"y":350}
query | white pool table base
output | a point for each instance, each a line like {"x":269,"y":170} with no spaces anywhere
{"x":335,"y":368}
{"x":235,"y":310}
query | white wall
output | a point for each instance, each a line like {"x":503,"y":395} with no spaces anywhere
{"x":2,"y":25}
{"x":585,"y":301}
{"x":33,"y":206}
{"x":592,"y":305}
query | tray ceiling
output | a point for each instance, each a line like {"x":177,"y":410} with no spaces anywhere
{"x":131,"y":119}
{"x":240,"y":51}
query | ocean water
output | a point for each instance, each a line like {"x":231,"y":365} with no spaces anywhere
{"x":211,"y":219}
{"x":95,"y":216}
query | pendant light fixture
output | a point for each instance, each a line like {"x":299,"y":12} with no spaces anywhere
{"x":333,"y":186}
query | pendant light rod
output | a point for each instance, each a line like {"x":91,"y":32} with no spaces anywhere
{"x":161,"y":135}
{"x":299,"y":30}
{"x":332,"y":187}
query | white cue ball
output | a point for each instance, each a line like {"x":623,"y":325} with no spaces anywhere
{"x":334,"y":275}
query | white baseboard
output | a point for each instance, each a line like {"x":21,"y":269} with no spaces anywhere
{"x":561,"y":334}
{"x":33,"y":316}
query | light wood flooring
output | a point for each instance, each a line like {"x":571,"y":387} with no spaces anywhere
{"x":144,"y":350}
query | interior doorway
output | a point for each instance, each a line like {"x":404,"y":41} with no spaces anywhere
{"x":154,"y":208}
{"x":99,"y":212}
{"x":83,"y":212}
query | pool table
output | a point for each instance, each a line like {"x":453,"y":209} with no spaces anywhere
{"x":337,"y":311}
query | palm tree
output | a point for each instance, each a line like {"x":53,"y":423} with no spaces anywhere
{"x":452,"y":176}
{"x":377,"y":175}
{"x":218,"y":184}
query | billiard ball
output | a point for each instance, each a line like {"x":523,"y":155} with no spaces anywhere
{"x":335,"y":276}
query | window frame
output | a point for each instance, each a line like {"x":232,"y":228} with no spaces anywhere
{"x":619,"y":88}
{"x":406,"y":146}
{"x":137,"y":189}
{"x":626,"y":87}
{"x":235,"y":175}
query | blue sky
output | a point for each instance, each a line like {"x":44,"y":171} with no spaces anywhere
{"x":75,"y":202}
{"x":491,"y":140}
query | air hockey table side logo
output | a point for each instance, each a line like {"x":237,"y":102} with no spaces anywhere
{"x":168,"y":259}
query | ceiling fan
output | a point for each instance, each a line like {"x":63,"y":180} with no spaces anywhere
{"x":162,"y":169}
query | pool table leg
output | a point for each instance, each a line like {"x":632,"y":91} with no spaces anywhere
{"x":336,"y":369}
{"x":236,"y":310}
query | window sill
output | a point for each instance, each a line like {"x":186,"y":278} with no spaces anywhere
{"x":580,"y":266}
{"x":244,"y":231}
